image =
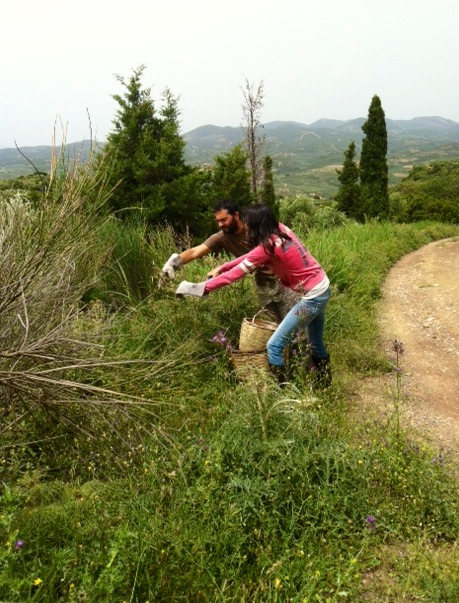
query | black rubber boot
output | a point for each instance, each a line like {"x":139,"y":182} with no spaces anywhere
{"x":321,"y":366}
{"x":278,"y":373}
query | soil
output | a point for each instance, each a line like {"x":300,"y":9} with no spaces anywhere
{"x":419,"y":308}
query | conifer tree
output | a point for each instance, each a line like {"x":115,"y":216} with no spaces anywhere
{"x":348,"y":196}
{"x":373,"y":164}
{"x":268,"y":195}
{"x":230,"y":178}
{"x":146,"y":154}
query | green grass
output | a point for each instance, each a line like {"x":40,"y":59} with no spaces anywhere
{"x":357,"y":258}
{"x":199,"y":488}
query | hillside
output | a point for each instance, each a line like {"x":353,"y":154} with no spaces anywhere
{"x":430,"y":192}
{"x":305,"y":157}
{"x":27,"y":160}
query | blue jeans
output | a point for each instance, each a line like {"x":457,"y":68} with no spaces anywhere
{"x":307,"y":314}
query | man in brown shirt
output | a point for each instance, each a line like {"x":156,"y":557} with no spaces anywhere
{"x":232,"y":238}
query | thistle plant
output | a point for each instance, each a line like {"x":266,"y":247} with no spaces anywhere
{"x":397,"y":347}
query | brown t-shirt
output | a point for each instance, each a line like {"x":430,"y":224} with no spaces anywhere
{"x":237,"y":245}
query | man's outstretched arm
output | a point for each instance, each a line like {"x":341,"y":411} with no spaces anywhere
{"x":177,"y":259}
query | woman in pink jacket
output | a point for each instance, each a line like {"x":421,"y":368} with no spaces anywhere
{"x":276,"y":246}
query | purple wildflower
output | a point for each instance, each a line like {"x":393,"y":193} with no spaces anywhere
{"x":18,"y":544}
{"x":371,"y":522}
{"x":397,"y":346}
{"x":220,"y":339}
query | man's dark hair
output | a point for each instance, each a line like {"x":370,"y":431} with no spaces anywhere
{"x":262,"y":224}
{"x":230,"y":206}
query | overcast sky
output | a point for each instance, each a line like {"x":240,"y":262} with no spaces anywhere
{"x":316,"y":58}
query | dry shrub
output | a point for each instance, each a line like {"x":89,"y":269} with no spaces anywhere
{"x":49,"y":366}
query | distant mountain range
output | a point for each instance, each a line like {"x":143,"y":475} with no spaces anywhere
{"x":27,"y":160}
{"x":305,"y":157}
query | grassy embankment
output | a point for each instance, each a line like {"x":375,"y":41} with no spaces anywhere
{"x":135,"y":468}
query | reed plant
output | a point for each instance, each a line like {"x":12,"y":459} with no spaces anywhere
{"x":66,"y":382}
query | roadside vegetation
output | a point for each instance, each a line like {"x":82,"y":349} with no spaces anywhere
{"x":429,"y":192}
{"x":134,"y":465}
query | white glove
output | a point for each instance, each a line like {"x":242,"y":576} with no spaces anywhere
{"x":193,"y":289}
{"x":173,"y":262}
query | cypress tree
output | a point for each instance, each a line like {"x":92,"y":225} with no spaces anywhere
{"x":373,"y":164}
{"x":348,"y":196}
{"x":268,"y":195}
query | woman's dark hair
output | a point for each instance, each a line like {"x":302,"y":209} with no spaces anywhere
{"x":262,"y":224}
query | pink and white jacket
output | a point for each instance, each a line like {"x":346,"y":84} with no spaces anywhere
{"x":291,"y":262}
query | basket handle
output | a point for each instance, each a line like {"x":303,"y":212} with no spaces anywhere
{"x":267,"y":312}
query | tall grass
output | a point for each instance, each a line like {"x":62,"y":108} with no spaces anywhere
{"x":357,"y":258}
{"x":227,"y":491}
{"x":68,"y":380}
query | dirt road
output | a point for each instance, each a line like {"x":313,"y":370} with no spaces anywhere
{"x":420,"y":308}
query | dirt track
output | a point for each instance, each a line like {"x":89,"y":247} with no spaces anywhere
{"x":420,"y":308}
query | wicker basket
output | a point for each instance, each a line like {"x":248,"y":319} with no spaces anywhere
{"x":245,"y":364}
{"x":255,"y":333}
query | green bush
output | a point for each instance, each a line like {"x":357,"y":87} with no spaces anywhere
{"x":429,"y":192}
{"x":302,"y":214}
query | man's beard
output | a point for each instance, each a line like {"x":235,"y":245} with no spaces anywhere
{"x":231,"y":229}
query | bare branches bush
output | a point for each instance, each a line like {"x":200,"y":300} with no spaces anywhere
{"x":52,"y":371}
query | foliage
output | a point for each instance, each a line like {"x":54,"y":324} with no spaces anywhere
{"x":293,"y":208}
{"x":48,"y":260}
{"x":327,"y":215}
{"x":429,"y":192}
{"x":348,"y":197}
{"x":373,"y":165}
{"x":128,"y":265}
{"x":303,"y":214}
{"x":60,"y":386}
{"x":146,"y":155}
{"x":29,"y":188}
{"x":229,"y":177}
{"x":268,"y":195}
{"x":363,"y":192}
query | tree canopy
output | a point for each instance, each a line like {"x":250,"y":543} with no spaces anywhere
{"x":146,"y":154}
